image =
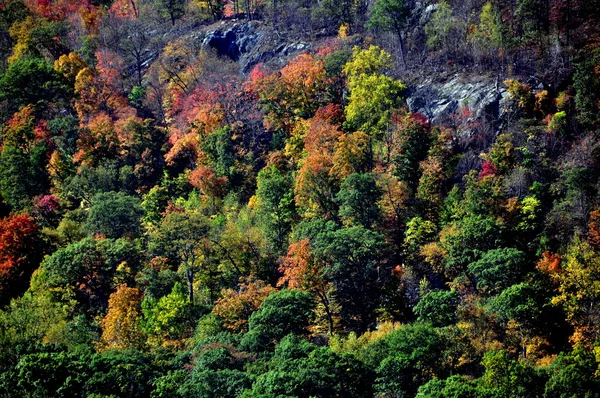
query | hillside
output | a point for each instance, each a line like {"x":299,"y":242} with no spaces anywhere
{"x":315,"y":198}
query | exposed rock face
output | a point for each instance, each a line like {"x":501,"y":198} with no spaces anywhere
{"x":439,"y":99}
{"x":235,"y":41}
{"x":279,"y":55}
{"x":248,"y":44}
{"x":485,"y":96}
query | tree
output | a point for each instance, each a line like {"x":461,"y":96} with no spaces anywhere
{"x":407,"y":140}
{"x":438,"y":308}
{"x":210,"y":9}
{"x":98,"y":141}
{"x":115,"y":215}
{"x":573,"y":373}
{"x":207,"y":181}
{"x":406,"y":358}
{"x":13,"y":11}
{"x":521,"y":302}
{"x":439,"y":27}
{"x":315,"y":185}
{"x":169,"y":320}
{"x":373,"y":96}
{"x":51,"y":373}
{"x":69,"y":65}
{"x":21,"y":251}
{"x":99,"y":91}
{"x":453,"y":386}
{"x":358,"y":197}
{"x":391,"y":15}
{"x":281,"y":313}
{"x":353,"y":257}
{"x":32,"y":81}
{"x":353,"y":154}
{"x":121,"y":327}
{"x":236,"y":306}
{"x":302,"y":270}
{"x":175,"y":9}
{"x":298,"y":91}
{"x":507,"y":377}
{"x":38,"y":37}
{"x":468,"y":240}
{"x":435,"y":171}
{"x":578,"y":289}
{"x":532,"y":17}
{"x":182,"y":236}
{"x":594,"y":229}
{"x":131,"y":38}
{"x":275,"y":205}
{"x":394,"y":200}
{"x":87,"y":267}
{"x":217,"y":372}
{"x":488,"y":34}
{"x":299,"y":368}
{"x":23,"y":154}
{"x":55,"y":372}
{"x":586,"y":82}
{"x":22,"y":176}
{"x":127,"y":9}
{"x":498,"y":269}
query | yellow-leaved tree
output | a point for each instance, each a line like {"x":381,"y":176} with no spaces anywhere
{"x":373,"y":95}
{"x":121,"y":327}
{"x":579,"y":290}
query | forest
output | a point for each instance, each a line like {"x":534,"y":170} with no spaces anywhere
{"x":240,"y":198}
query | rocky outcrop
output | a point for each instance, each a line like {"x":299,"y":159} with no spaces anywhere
{"x":234,"y":41}
{"x":249,"y":44}
{"x":280,"y":55}
{"x":485,"y":97}
{"x":438,"y":98}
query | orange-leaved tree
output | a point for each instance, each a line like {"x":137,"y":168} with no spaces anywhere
{"x":302,"y":270}
{"x":236,"y":306}
{"x":315,"y":185}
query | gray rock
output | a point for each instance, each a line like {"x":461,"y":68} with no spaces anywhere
{"x":441,"y":100}
{"x":235,"y":41}
{"x":426,"y":14}
{"x":248,"y":44}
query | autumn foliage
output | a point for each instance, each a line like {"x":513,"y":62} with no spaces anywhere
{"x":121,"y":326}
{"x":236,"y":306}
{"x":21,"y":249}
{"x":251,"y":198}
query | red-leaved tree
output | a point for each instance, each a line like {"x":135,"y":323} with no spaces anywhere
{"x":20,"y":253}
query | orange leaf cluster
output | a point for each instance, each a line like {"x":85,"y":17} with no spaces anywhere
{"x":205,"y":179}
{"x":550,"y":263}
{"x":236,"y":306}
{"x":594,"y":229}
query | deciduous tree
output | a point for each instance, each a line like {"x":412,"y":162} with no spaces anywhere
{"x":21,"y":251}
{"x":391,"y":15}
{"x":121,"y":327}
{"x":373,"y":95}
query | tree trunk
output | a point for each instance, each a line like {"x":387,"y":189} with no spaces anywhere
{"x":402,"y":56}
{"x":248,"y":13}
{"x":190,"y":278}
{"x":135,"y":11}
{"x":325,"y":302}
